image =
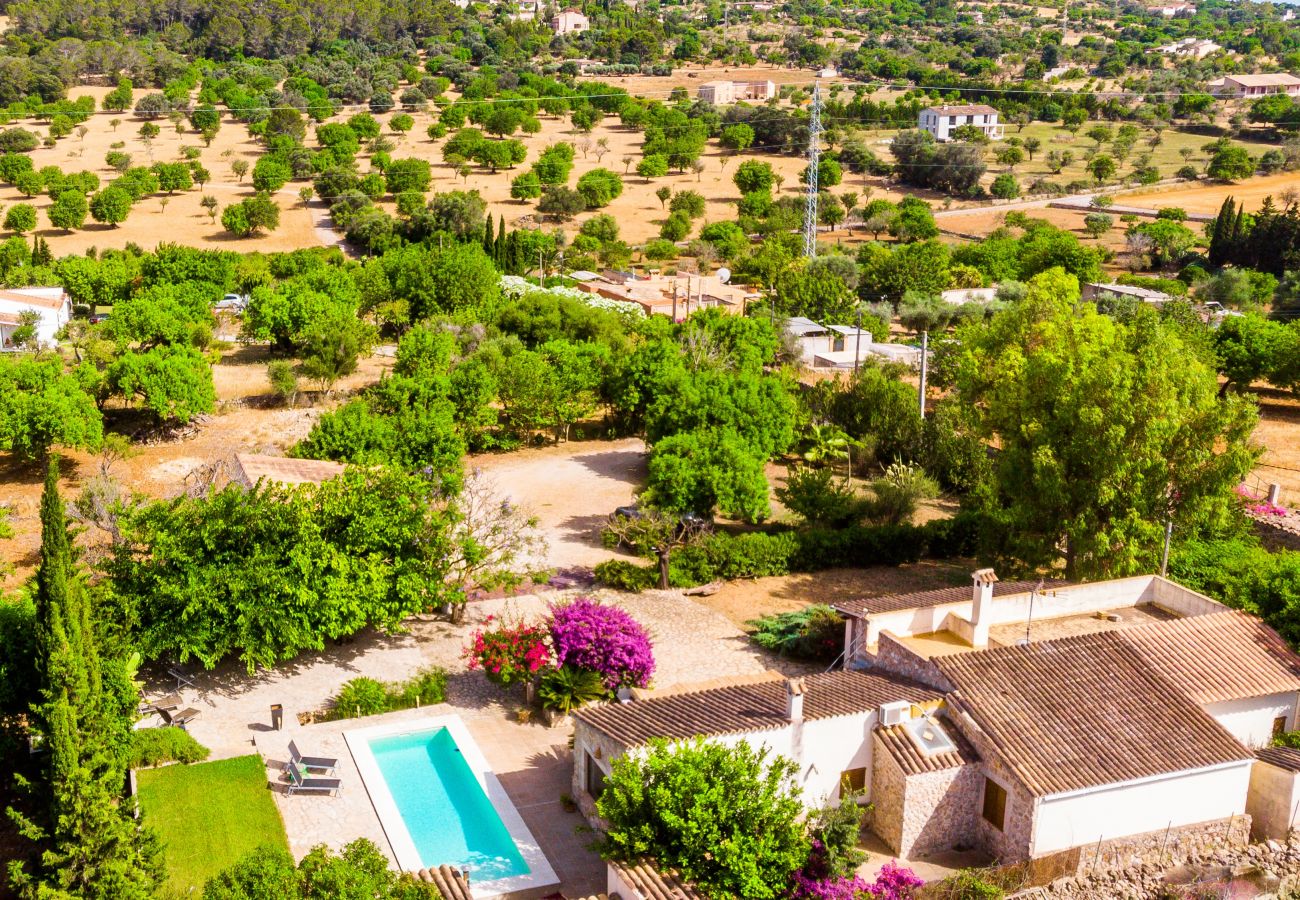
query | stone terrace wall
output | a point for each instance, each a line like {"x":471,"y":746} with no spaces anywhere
{"x":940,"y":809}
{"x":891,"y":656}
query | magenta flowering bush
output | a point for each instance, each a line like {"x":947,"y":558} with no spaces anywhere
{"x":604,"y":639}
{"x":893,"y":882}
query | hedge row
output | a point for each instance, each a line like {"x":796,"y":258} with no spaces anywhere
{"x":723,"y":556}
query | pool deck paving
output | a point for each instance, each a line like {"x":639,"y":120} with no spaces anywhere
{"x":693,"y":644}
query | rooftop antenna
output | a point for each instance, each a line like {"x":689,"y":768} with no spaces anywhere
{"x":1030,"y":621}
{"x":814,"y":156}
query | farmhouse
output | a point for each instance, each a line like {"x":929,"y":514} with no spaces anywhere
{"x":569,"y":20}
{"x":1257,"y":85}
{"x":1065,"y":725}
{"x":50,"y":307}
{"x":676,"y":296}
{"x":1169,"y":10}
{"x":962,"y":296}
{"x":1112,"y":291}
{"x":941,"y":120}
{"x":1195,"y":48}
{"x":723,"y":92}
{"x":829,"y":346}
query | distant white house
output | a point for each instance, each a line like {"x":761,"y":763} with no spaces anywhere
{"x":940,"y":121}
{"x":569,"y":21}
{"x":721,"y":93}
{"x":1244,"y":86}
{"x":962,"y":296}
{"x":1195,"y":48}
{"x":51,"y":305}
{"x":1169,"y":10}
{"x":1095,"y":291}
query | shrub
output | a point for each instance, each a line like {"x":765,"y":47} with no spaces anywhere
{"x":153,"y":746}
{"x":567,"y":688}
{"x":368,"y":697}
{"x":815,"y":632}
{"x":509,"y":652}
{"x":817,"y":497}
{"x":899,"y":491}
{"x":622,"y":575}
{"x":602,"y":639}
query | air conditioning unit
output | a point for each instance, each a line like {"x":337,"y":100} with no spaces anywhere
{"x":895,"y":713}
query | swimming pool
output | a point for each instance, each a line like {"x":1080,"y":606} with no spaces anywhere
{"x":440,"y":804}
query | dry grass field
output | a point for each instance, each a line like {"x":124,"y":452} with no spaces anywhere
{"x":1207,"y":198}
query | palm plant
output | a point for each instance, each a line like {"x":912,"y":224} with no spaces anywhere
{"x":567,"y":688}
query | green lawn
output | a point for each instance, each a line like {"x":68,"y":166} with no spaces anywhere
{"x":209,"y":815}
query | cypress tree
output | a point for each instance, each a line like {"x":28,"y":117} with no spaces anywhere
{"x":501,"y":244}
{"x":1221,"y":236}
{"x":489,"y":244}
{"x":92,"y":845}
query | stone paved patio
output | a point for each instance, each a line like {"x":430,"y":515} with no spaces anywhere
{"x":692,"y":644}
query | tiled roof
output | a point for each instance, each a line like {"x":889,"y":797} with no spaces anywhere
{"x":1283,"y":757}
{"x":1280,"y":78}
{"x":652,"y":884}
{"x":285,"y":470}
{"x":757,"y":706}
{"x":926,"y":599}
{"x":45,"y":298}
{"x":450,"y":882}
{"x":1084,"y":711}
{"x":1221,"y":656}
{"x":974,"y":109}
{"x":913,"y":762}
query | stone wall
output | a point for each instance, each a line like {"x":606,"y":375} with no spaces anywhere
{"x":888,"y":796}
{"x":1160,"y":847}
{"x":926,"y":813}
{"x":892,"y":656}
{"x":604,"y":749}
{"x":1011,"y":843}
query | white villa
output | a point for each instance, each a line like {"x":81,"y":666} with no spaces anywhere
{"x":1249,"y":86}
{"x":1062,"y":725}
{"x":941,"y":120}
{"x":724,"y":92}
{"x":843,"y":346}
{"x":50,"y":304}
{"x":1196,"y":48}
{"x":570,"y":20}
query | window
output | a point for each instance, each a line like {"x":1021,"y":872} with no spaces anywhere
{"x":595,"y":782}
{"x":854,"y":780}
{"x":995,"y":804}
{"x":1279,"y":726}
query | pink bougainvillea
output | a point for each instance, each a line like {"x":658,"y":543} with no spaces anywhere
{"x":893,"y":882}
{"x":507,"y":651}
{"x":605,"y":639}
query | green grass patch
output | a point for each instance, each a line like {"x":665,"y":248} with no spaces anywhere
{"x":209,"y":815}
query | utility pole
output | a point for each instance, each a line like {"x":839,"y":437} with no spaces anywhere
{"x":857,"y":350}
{"x":925,"y":358}
{"x":814,"y":156}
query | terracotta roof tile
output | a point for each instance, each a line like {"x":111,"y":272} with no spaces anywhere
{"x":758,"y":706}
{"x":912,"y":761}
{"x":450,"y":882}
{"x":285,"y":470}
{"x":1220,"y":656}
{"x":653,"y":884}
{"x":1084,"y":711}
{"x":927,"y":599}
{"x":1283,"y":757}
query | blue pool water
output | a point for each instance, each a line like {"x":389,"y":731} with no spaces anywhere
{"x":449,"y":817}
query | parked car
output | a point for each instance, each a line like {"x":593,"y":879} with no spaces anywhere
{"x":232,"y":303}
{"x":96,"y":318}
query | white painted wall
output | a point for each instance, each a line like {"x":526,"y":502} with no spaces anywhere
{"x":823,"y":749}
{"x":1251,"y":720}
{"x":1187,"y":798}
{"x":52,"y":319}
{"x":1048,"y":604}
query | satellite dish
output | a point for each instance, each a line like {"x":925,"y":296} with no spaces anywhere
{"x":724,"y":275}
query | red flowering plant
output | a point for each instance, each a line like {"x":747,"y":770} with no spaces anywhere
{"x":507,"y":650}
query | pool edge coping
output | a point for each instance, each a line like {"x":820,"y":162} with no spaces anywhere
{"x":541,"y":873}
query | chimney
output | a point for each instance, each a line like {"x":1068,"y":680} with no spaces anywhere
{"x":794,"y":699}
{"x":981,"y":605}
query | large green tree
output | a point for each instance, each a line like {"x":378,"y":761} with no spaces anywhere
{"x":1105,"y":431}
{"x":728,"y":818}
{"x":41,"y":405}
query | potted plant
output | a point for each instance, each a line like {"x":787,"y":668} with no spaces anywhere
{"x":565,"y":689}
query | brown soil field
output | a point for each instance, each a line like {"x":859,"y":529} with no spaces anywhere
{"x":986,"y":221}
{"x":183,"y":220}
{"x":1279,"y":433}
{"x":1207,"y":198}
